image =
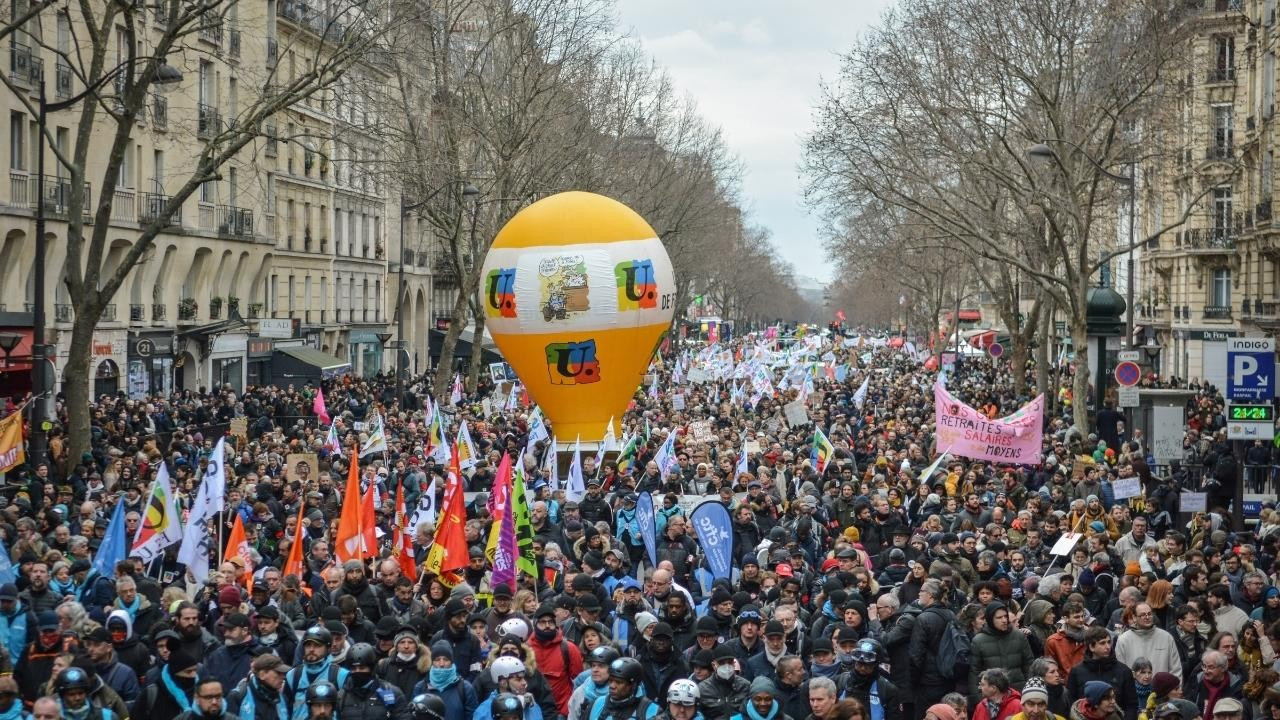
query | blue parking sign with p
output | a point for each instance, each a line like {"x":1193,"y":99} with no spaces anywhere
{"x":1251,"y":368}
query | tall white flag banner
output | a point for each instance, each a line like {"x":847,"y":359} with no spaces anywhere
{"x":426,"y":511}
{"x":377,"y":441}
{"x":666,"y":457}
{"x":160,"y":526}
{"x":576,"y":489}
{"x":210,"y":500}
{"x":537,"y":428}
{"x":608,"y":444}
{"x":466,"y":448}
{"x":549,"y":462}
{"x":860,"y":395}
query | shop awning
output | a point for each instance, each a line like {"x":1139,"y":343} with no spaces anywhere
{"x":315,"y":358}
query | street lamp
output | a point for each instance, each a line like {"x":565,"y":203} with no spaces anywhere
{"x":9,"y":341}
{"x":468,"y":190}
{"x":165,"y":79}
{"x":1042,"y":154}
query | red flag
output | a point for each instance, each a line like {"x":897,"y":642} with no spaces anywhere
{"x":449,"y":552}
{"x":238,"y":547}
{"x":293,"y":565}
{"x":317,"y":406}
{"x":347,"y":545}
{"x":369,"y":519}
{"x":402,"y":547}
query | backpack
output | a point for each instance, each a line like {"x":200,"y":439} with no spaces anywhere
{"x":953,"y":650}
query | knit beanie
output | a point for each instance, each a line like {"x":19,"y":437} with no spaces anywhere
{"x":1035,"y":690}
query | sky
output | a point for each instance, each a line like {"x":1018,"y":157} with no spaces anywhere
{"x":754,"y":68}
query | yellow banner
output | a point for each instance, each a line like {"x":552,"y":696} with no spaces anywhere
{"x":11,"y":452}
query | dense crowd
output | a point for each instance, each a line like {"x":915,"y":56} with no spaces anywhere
{"x":866,"y":590}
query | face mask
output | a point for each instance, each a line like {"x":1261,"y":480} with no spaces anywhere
{"x":545,"y":633}
{"x":442,"y":677}
{"x":406,"y":656}
{"x":269,"y":639}
{"x":726,"y":671}
{"x":362,"y":678}
{"x":230,"y":643}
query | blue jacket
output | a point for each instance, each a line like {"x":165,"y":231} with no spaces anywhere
{"x":484,"y":711}
{"x":122,"y":679}
{"x":460,"y":699}
{"x":14,"y":629}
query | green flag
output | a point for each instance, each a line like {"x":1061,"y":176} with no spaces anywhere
{"x":627,"y":457}
{"x":526,"y":562}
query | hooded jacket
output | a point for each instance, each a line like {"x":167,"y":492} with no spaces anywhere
{"x":1010,"y":705}
{"x":1108,"y":670}
{"x":560,"y":662}
{"x":990,"y":649}
{"x":130,"y":651}
{"x":1066,"y":647}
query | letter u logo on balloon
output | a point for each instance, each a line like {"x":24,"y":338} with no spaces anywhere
{"x":573,"y":363}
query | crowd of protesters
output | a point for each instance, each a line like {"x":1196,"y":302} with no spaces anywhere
{"x":864,"y":591}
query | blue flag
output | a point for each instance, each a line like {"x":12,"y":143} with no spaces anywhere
{"x":115,"y":547}
{"x":712,"y":524}
{"x":7,"y":575}
{"x":648,"y":526}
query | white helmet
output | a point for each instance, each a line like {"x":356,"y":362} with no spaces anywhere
{"x":505,"y":666}
{"x":514,"y":627}
{"x":683,"y":692}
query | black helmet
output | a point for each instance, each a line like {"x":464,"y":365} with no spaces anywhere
{"x":362,"y":654}
{"x":322,"y":692}
{"x":427,"y":707}
{"x":72,"y":678}
{"x":317,"y":634}
{"x":603,"y":654}
{"x":507,"y":704}
{"x":626,"y":668}
{"x":868,"y":651}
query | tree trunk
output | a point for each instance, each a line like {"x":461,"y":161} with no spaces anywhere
{"x":477,"y":350}
{"x":1018,"y":356}
{"x":78,"y":376}
{"x":1042,"y":364}
{"x":444,"y":370}
{"x":1080,"y":384}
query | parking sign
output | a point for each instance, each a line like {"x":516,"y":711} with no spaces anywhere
{"x":1251,"y":368}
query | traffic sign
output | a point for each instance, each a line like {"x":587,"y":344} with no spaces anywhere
{"x":1251,"y":368}
{"x":1129,"y":356}
{"x":1128,"y":373}
{"x":1127,"y":396}
{"x":995,"y":349}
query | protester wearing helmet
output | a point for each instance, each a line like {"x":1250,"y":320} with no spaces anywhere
{"x":626,"y":698}
{"x":593,"y":682}
{"x":511,"y":681}
{"x":364,"y":696}
{"x":72,"y":687}
{"x":503,"y":614}
{"x":317,"y":665}
{"x":869,"y":684}
{"x":427,"y":707}
{"x":682,"y":702}
{"x":321,"y":701}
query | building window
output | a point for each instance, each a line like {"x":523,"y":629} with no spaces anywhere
{"x":17,"y":141}
{"x":1224,"y":52}
{"x":1223,"y":128}
{"x":1221,"y":288}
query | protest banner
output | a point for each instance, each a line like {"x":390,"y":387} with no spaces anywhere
{"x":971,"y":434}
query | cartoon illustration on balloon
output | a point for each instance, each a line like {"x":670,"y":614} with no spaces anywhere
{"x":579,"y":292}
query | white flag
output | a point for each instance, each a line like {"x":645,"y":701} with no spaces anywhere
{"x":576,"y":489}
{"x":210,"y":500}
{"x":160,"y":526}
{"x":426,"y":511}
{"x":666,"y":457}
{"x":743,"y":467}
{"x":537,"y":428}
{"x":552,"y":468}
{"x":860,"y":395}
{"x":608,"y":444}
{"x":466,"y":448}
{"x":377,"y":441}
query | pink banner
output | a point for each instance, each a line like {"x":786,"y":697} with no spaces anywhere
{"x":966,"y":432}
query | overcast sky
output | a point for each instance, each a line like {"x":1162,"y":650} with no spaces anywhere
{"x":754,"y":68}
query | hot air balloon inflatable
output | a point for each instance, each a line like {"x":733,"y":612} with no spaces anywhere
{"x":578,"y":292}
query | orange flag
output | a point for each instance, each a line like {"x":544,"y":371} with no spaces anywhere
{"x":237,"y":547}
{"x":449,"y":551}
{"x":402,"y":545}
{"x":369,"y":520}
{"x":348,"y":544}
{"x":293,"y":566}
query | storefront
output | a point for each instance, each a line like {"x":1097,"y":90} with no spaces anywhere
{"x":150,"y":369}
{"x":15,"y":365}
{"x":227,"y":360}
{"x":364,"y":352}
{"x":258,"y":351}
{"x":110,"y":350}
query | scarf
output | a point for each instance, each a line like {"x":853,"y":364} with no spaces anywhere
{"x":754,"y":715}
{"x":132,"y":608}
{"x":300,"y":678}
{"x":441,"y":678}
{"x":14,"y":712}
{"x":248,"y":706}
{"x":827,"y":671}
{"x":80,"y":714}
{"x":179,"y":697}
{"x":61,"y":587}
{"x":591,"y":691}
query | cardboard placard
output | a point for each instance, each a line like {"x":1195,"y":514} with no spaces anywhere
{"x":701,"y":431}
{"x":1127,"y":487}
{"x":1192,"y":502}
{"x":1083,"y":462}
{"x":797,"y":415}
{"x":240,"y":427}
{"x":301,"y":467}
{"x":677,"y":401}
{"x":752,"y":447}
{"x":697,"y":375}
{"x":1065,"y":544}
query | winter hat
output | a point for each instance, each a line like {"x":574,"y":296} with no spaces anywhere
{"x":229,"y":595}
{"x":1163,"y":683}
{"x":1035,"y":690}
{"x":1087,"y":578}
{"x":461,"y":590}
{"x":644,"y":620}
{"x":763,"y":684}
{"x":443,"y":649}
{"x":180,"y":660}
{"x":942,"y":711}
{"x":1094,"y":691}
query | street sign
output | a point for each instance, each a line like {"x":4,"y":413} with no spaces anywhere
{"x":1251,"y":368}
{"x":1127,"y":396}
{"x":1129,"y":356}
{"x":995,"y":350}
{"x":1250,"y":422}
{"x":1128,"y":373}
